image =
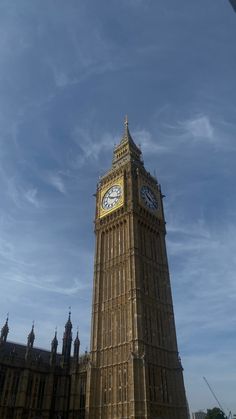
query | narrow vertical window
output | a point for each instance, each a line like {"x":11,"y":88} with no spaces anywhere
{"x":125,"y":385}
{"x":119,"y":386}
{"x":110,"y":387}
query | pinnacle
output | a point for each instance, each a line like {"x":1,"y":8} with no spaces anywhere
{"x":127,"y":136}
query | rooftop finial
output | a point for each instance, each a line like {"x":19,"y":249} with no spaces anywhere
{"x":67,"y":339}
{"x":127,"y":133}
{"x":54,"y":345}
{"x":77,"y":334}
{"x":31,"y":337}
{"x":76,"y":347}
{"x":68,"y":325}
{"x":55,"y":341}
{"x":4,"y":331}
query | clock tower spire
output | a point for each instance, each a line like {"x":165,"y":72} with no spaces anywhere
{"x":134,"y":370}
{"x":126,"y":150}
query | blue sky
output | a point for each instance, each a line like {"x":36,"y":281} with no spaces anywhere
{"x":69,"y":72}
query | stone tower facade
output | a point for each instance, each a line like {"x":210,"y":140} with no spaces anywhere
{"x":134,"y":370}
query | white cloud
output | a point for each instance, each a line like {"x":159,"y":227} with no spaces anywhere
{"x":199,"y":127}
{"x":168,"y":136}
{"x":12,"y":191}
{"x":148,"y":145}
{"x":55,"y":180}
{"x":90,"y":147}
{"x":31,"y":196}
{"x":19,"y":194}
{"x":50,"y":284}
{"x":198,"y":228}
{"x":205,"y":267}
{"x":6,"y":249}
{"x":71,"y":68}
{"x":203,"y":261}
{"x":61,"y":79}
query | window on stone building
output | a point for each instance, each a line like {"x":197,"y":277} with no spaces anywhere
{"x":41,"y":393}
{"x":2,"y":379}
{"x":14,"y":387}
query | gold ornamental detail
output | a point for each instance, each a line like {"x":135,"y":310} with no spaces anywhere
{"x":111,"y":197}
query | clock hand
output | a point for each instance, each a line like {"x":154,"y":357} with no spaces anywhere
{"x":113,"y":197}
{"x":149,"y":197}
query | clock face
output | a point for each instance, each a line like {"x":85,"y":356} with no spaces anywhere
{"x":149,"y":198}
{"x":112,"y":197}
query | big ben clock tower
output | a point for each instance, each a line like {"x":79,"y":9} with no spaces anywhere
{"x":135,"y":371}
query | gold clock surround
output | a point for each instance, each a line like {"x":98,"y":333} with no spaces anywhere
{"x":116,"y":182}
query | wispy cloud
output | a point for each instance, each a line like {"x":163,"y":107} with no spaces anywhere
{"x":13,"y":192}
{"x":170,"y":136}
{"x":199,"y":127}
{"x":147,"y":143}
{"x":55,"y":180}
{"x":205,"y":266}
{"x":203,"y":279}
{"x":31,"y":195}
{"x":189,"y":130}
{"x":50,"y":284}
{"x":63,"y":90}
{"x":20,"y":194}
{"x":91,"y":148}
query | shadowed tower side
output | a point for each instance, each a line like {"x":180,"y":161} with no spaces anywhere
{"x":135,"y":370}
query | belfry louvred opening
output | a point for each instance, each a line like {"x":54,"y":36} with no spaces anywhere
{"x":133,"y":369}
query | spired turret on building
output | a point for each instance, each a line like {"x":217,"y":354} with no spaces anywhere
{"x":40,"y":384}
{"x":133,"y":369}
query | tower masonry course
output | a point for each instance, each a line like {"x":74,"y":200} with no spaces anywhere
{"x":133,"y":369}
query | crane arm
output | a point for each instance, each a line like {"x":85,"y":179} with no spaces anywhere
{"x":213,"y":394}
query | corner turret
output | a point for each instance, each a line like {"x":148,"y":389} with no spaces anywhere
{"x":30,"y":343}
{"x":67,"y":340}
{"x":76,"y":348}
{"x":54,"y":345}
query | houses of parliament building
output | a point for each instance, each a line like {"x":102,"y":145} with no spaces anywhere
{"x":133,"y":369}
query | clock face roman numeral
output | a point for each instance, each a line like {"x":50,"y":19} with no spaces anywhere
{"x":112,"y":197}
